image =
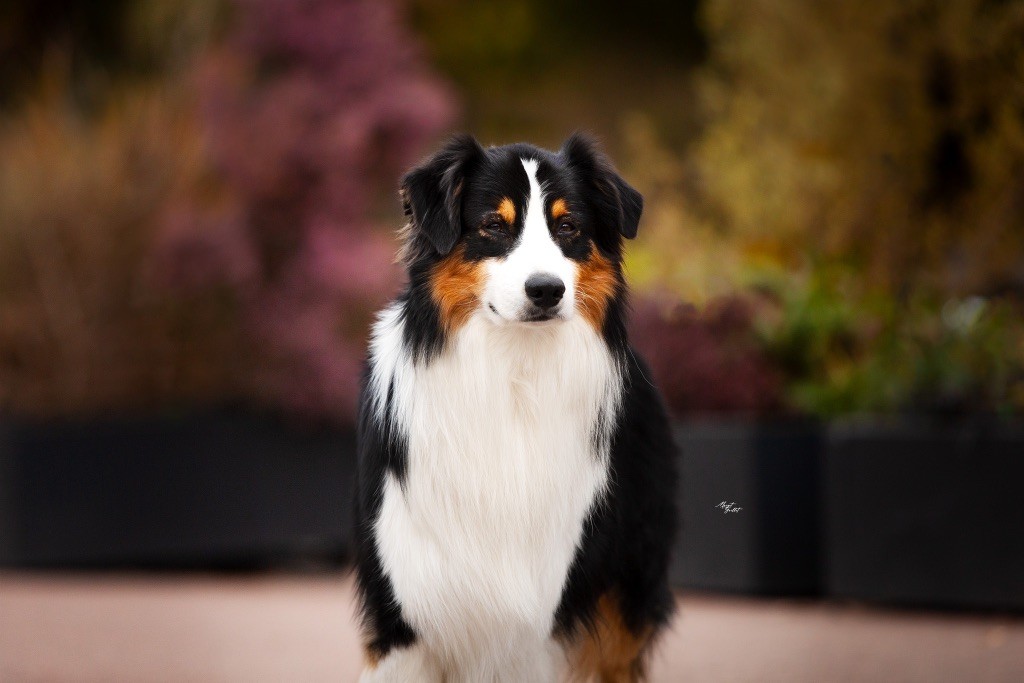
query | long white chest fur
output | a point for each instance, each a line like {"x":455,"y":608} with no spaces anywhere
{"x":506,"y":456}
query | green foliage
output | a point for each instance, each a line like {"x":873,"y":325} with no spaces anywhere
{"x":843,"y":354}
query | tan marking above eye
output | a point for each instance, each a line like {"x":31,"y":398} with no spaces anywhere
{"x":559,"y":208}
{"x":507,"y":210}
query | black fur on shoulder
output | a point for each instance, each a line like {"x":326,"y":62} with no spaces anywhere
{"x":381,"y":449}
{"x":630,"y":531}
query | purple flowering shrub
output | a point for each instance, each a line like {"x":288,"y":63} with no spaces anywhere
{"x":707,"y":361}
{"x":309,"y":109}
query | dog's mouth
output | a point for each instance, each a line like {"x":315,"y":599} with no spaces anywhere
{"x":534,"y":316}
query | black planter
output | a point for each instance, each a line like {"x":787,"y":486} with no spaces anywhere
{"x":197,"y":491}
{"x":771,"y":472}
{"x":926,"y":514}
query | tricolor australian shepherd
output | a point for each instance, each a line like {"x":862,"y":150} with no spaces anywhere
{"x":516,"y":479}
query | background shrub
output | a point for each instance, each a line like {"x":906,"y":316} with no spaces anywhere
{"x":214,"y":231}
{"x":84,"y":324}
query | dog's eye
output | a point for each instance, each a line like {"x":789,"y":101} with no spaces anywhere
{"x":497,"y":227}
{"x":566,"y":228}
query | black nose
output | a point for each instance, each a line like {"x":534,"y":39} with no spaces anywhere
{"x":544,"y":290}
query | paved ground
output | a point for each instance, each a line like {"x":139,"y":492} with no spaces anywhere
{"x":293,"y":628}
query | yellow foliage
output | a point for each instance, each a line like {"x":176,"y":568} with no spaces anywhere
{"x":884,"y":138}
{"x":888,"y":137}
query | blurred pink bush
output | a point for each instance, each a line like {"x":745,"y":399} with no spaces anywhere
{"x":706,"y":361}
{"x":308,"y":108}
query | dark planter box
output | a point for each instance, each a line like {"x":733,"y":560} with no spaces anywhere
{"x":771,"y":471}
{"x":926,"y":514}
{"x":198,"y":491}
{"x":902,"y":513}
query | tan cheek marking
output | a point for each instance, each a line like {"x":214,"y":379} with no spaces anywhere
{"x":596,"y":285}
{"x":507,"y":210}
{"x":609,"y":651}
{"x":455,"y":285}
{"x":559,"y":208}
{"x":371,"y":658}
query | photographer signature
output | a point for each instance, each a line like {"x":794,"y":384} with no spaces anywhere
{"x":728,"y":507}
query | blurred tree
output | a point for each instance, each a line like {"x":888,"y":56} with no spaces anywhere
{"x":101,"y":43}
{"x":889,"y":137}
{"x":517,"y":39}
{"x":29,"y":29}
{"x":861,"y":168}
{"x":538,"y":69}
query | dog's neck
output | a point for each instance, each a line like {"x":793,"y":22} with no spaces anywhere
{"x":562,"y":365}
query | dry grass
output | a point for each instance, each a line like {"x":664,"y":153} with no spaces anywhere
{"x":84,"y":326}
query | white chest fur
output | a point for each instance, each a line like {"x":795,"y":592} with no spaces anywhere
{"x":503,"y":466}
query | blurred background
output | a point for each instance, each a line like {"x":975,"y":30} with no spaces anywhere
{"x":198,"y":203}
{"x":198,"y":198}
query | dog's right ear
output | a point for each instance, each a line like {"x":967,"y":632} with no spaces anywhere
{"x":432,"y":192}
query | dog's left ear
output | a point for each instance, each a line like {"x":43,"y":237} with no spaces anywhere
{"x":617,"y":203}
{"x":432,"y":192}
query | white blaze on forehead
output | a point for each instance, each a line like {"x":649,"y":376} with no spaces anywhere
{"x":535,"y":253}
{"x":535,"y":224}
{"x":537,"y":248}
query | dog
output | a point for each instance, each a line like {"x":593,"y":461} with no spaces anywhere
{"x":516,"y":484}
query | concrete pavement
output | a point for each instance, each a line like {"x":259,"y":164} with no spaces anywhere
{"x":103,"y":627}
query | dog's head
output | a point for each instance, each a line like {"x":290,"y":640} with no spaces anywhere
{"x":517,"y":234}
